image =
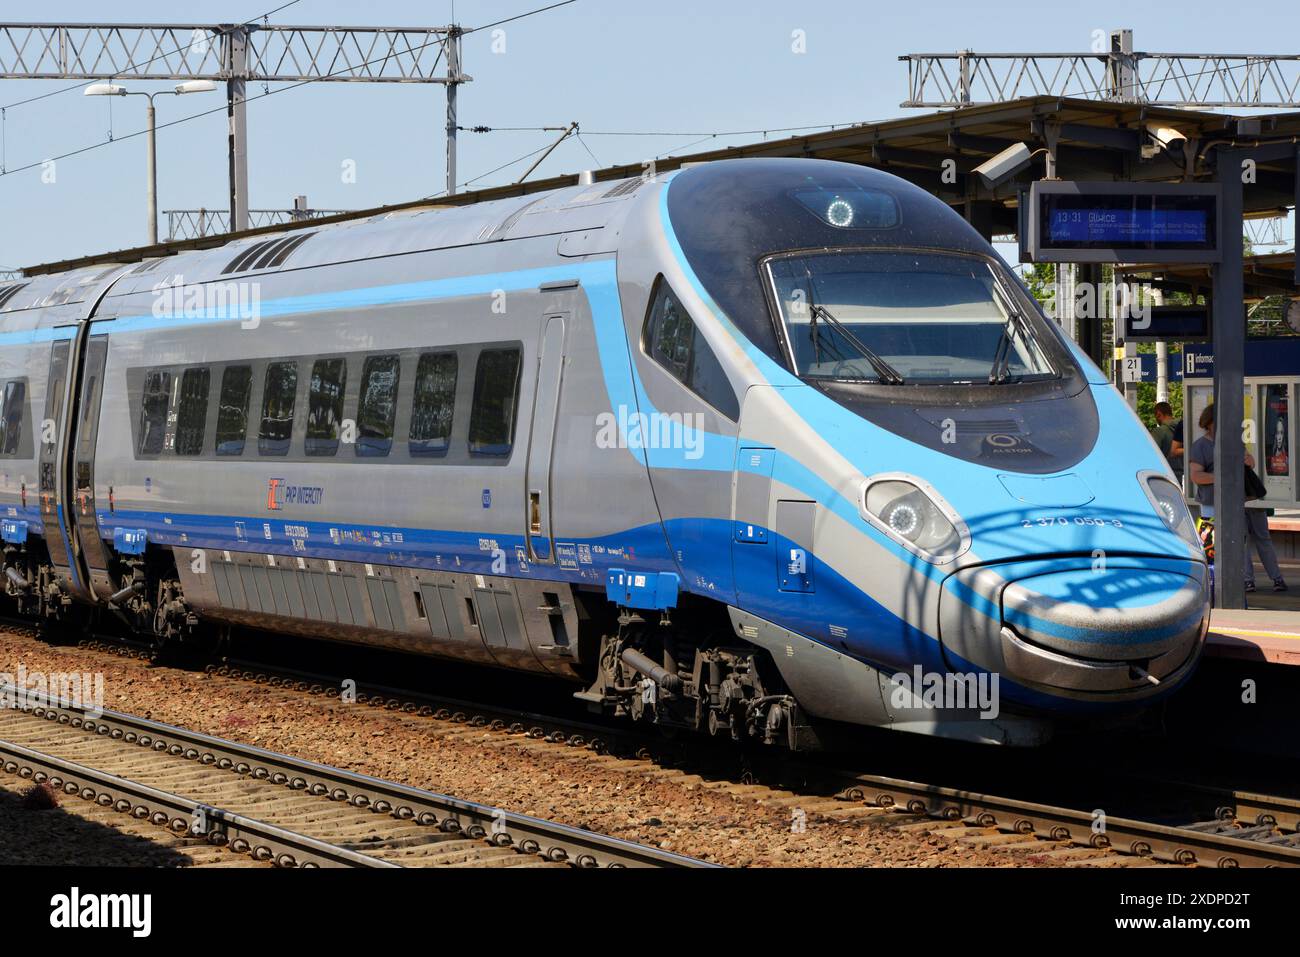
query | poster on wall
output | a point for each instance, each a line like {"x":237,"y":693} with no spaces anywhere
{"x":1276,"y":416}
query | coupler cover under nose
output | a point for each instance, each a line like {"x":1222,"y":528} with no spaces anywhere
{"x":1072,"y":625}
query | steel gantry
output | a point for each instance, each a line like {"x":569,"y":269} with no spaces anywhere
{"x":237,"y":54}
{"x":197,"y":223}
{"x":1115,"y":72}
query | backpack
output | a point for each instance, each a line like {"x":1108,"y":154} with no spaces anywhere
{"x":1254,"y":486}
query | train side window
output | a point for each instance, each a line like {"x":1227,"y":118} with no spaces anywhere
{"x":90,"y":403}
{"x":674,"y":341}
{"x":496,"y":400}
{"x":192,"y":411}
{"x":329,"y":377}
{"x":14,"y":400}
{"x":435,"y":399}
{"x":54,"y":400}
{"x":232,"y":409}
{"x":377,"y":409}
{"x":278,"y":397}
{"x":153,"y":411}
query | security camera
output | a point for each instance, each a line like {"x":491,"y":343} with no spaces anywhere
{"x":1004,"y":165}
{"x":1163,"y":138}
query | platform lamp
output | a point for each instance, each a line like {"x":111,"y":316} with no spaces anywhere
{"x":112,"y":89}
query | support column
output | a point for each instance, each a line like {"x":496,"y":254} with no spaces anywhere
{"x":453,"y":82}
{"x":1121,"y":306}
{"x":1162,"y":354}
{"x":1229,"y":328}
{"x":236,"y":116}
{"x":1090,"y":326}
{"x":151,"y":172}
{"x":1065,"y":300}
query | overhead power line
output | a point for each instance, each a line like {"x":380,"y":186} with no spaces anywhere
{"x":399,"y":62}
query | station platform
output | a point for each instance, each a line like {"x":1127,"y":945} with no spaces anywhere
{"x":1269,"y":628}
{"x":1256,"y":634}
{"x":1284,"y":529}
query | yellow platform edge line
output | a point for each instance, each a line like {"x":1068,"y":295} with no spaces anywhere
{"x":1243,"y":633}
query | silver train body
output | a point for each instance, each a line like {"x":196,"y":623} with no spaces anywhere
{"x":569,"y":433}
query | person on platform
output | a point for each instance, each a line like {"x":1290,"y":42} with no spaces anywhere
{"x":1202,"y":476}
{"x":1177,"y":449}
{"x":1163,"y":433}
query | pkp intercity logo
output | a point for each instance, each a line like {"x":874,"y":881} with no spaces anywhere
{"x":280,"y":492}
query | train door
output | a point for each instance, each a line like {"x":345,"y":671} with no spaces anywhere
{"x":83,"y":475}
{"x":772,"y":538}
{"x":753,"y":543}
{"x":49,"y":488}
{"x":541,"y":441}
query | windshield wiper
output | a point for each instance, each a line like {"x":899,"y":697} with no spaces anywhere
{"x":1001,"y":370}
{"x":884,"y":370}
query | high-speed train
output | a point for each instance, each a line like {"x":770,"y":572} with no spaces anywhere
{"x":756,"y":448}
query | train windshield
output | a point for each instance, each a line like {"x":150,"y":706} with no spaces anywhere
{"x":901,"y":317}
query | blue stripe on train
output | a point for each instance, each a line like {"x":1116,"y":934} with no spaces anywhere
{"x":868,"y":631}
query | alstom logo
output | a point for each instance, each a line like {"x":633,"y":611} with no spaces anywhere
{"x":279,"y":493}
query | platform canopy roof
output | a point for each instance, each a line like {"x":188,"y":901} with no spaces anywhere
{"x":1265,"y":275}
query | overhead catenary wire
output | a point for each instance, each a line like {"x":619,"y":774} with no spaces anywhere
{"x":284,"y":89}
{"x":721,"y":134}
{"x":517,"y":16}
{"x":513,"y":162}
{"x":701,"y":133}
{"x":593,"y":156}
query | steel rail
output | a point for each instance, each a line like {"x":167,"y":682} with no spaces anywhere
{"x":553,"y":841}
{"x":265,"y":842}
{"x":1179,"y":845}
{"x":1257,"y":809}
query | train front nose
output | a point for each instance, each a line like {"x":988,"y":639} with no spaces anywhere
{"x":1080,"y":631}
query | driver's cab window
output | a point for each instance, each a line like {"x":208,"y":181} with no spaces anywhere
{"x":674,"y":342}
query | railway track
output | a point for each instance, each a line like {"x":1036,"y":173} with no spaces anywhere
{"x":1222,"y":828}
{"x":1245,"y":829}
{"x":1232,"y":838}
{"x":282,"y":809}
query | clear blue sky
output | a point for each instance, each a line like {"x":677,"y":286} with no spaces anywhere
{"x":612,"y":65}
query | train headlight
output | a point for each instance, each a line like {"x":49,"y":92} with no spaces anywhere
{"x":1170,"y":506}
{"x":840,"y":213}
{"x":913,"y":514}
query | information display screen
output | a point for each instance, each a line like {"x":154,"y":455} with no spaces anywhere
{"x":1166,"y":324}
{"x":1123,"y":222}
{"x":1072,"y":220}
